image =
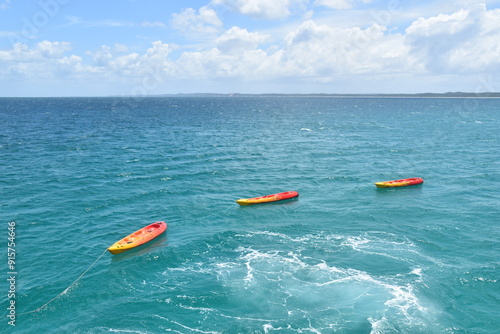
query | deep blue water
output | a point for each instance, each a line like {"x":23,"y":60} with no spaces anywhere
{"x":77,"y":174}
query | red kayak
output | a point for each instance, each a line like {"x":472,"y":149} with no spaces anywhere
{"x":138,"y":238}
{"x":400,"y":183}
{"x":268,"y":198}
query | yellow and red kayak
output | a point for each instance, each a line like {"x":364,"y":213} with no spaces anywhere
{"x":138,"y":238}
{"x":268,"y":198}
{"x":400,"y":183}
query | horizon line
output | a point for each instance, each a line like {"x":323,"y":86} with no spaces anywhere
{"x":424,"y":95}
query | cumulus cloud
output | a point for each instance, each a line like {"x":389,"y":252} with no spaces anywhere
{"x":193,"y":23}
{"x":322,"y":50}
{"x":311,"y":52}
{"x":461,"y":41}
{"x":50,"y":59}
{"x":102,"y":57}
{"x":263,"y":9}
{"x":156,"y":59}
{"x":42,"y":51}
{"x":213,"y":64}
{"x":44,"y":59}
{"x":237,"y":40}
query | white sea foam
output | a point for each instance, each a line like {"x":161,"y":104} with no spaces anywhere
{"x":381,"y":326}
{"x":355,"y":242}
{"x":482,"y":279}
{"x":113,"y":330}
{"x":417,"y":271}
{"x":299,"y":274}
{"x":404,"y":299}
{"x":199,"y":309}
{"x":249,"y":277}
{"x":295,"y":280}
{"x":184,"y":327}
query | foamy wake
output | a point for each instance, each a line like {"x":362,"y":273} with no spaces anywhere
{"x":302,"y":284}
{"x":307,"y":283}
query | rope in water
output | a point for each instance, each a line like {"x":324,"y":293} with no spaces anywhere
{"x":63,"y":292}
{"x":221,"y":212}
{"x":90,"y":267}
{"x":218,"y":213}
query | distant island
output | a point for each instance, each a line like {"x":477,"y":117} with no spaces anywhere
{"x":417,"y":95}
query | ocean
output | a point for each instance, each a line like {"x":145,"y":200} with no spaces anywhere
{"x":78,"y":174}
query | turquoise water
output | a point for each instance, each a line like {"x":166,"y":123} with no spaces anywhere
{"x":77,"y":174}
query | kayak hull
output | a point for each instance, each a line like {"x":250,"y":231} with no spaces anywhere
{"x":400,"y":183}
{"x":138,"y":238}
{"x":268,"y":198}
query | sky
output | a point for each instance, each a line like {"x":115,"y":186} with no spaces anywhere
{"x":149,"y":47}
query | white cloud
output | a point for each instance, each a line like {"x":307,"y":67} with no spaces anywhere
{"x":49,"y":59}
{"x":157,"y":57}
{"x":42,"y":51}
{"x":44,"y":60}
{"x":213,"y":64}
{"x":239,"y":40}
{"x":326,"y":52}
{"x":263,"y":9}
{"x":237,"y":55}
{"x":466,"y":40}
{"x":433,"y":49}
{"x":339,"y":4}
{"x":134,"y":65}
{"x":127,"y":63}
{"x":193,"y":23}
{"x":447,"y":24}
{"x":102,"y":57}
{"x":53,"y":49}
{"x":313,"y":52}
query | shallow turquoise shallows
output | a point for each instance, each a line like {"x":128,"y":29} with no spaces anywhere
{"x":78,"y":174}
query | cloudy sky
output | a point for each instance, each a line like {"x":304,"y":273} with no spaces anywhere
{"x":138,"y":47}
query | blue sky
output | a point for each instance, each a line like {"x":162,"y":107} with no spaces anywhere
{"x":132,"y":47}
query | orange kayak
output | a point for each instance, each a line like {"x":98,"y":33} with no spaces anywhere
{"x":268,"y":198}
{"x":400,"y":183}
{"x":138,"y":238}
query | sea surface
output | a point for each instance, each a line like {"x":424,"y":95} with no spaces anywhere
{"x":78,"y":174}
